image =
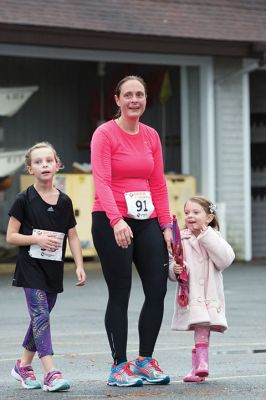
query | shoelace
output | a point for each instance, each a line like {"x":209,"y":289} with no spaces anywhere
{"x":126,"y":368}
{"x":155,"y":365}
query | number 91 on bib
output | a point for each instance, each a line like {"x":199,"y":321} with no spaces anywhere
{"x":139,"y":204}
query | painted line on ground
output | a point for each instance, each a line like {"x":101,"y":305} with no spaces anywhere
{"x":107,"y":351}
{"x":222,"y":378}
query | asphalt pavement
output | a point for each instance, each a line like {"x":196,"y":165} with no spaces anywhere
{"x":237,"y":358}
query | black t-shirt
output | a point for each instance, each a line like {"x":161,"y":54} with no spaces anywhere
{"x":34,"y":213}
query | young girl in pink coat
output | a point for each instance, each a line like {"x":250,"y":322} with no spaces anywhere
{"x":206,"y":255}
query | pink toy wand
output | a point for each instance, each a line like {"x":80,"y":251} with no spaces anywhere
{"x":179,"y":259}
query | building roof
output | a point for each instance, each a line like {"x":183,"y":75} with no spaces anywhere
{"x":238,"y":21}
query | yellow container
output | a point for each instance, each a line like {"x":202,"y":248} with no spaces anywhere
{"x":180,"y":189}
{"x":80,"y":188}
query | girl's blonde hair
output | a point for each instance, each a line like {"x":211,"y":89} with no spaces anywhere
{"x":208,"y":207}
{"x":41,"y":145}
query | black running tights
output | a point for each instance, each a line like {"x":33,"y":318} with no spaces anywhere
{"x":149,"y":254}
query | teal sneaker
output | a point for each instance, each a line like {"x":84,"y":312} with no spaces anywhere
{"x":149,"y":370}
{"x":122,"y":375}
{"x":25,"y":375}
{"x":54,"y":382}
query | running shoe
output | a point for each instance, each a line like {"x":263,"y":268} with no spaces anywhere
{"x":26,"y":375}
{"x":122,"y":375}
{"x":54,"y":382}
{"x":149,"y":370}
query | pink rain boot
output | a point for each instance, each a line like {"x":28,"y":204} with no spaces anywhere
{"x":202,"y":367}
{"x":191,"y":377}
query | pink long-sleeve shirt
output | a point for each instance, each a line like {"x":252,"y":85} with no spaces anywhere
{"x":125,"y":163}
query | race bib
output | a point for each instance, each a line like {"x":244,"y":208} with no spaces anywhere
{"x":139,"y":204}
{"x":37,"y":252}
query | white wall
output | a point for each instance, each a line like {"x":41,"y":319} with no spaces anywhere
{"x":232,"y":152}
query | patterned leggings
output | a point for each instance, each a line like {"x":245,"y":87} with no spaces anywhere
{"x":38,"y":336}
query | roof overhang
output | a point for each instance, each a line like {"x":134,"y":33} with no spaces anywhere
{"x":84,"y":39}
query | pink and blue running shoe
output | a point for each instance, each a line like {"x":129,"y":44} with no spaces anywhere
{"x":149,"y":370}
{"x":122,"y":375}
{"x":25,"y":375}
{"x":55,"y":382}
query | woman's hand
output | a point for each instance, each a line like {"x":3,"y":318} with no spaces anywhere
{"x":168,"y":237}
{"x":123,"y":234}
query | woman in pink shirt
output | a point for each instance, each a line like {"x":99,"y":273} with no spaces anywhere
{"x":131,"y":223}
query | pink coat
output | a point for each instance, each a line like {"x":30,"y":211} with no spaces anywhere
{"x":206,"y":257}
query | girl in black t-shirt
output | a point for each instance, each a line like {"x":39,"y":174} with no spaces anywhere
{"x":41,"y":220}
